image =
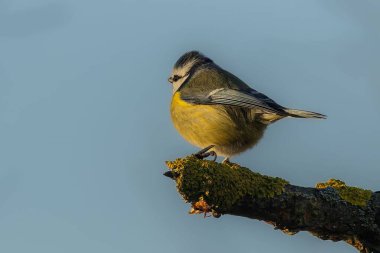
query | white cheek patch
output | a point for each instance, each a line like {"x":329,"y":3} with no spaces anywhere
{"x":177,"y":84}
{"x":182,"y":72}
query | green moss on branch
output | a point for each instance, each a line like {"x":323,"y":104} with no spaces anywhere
{"x":221,"y":185}
{"x":331,"y":211}
{"x":353,"y":195}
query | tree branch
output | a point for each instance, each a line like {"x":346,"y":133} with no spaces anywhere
{"x":331,"y":211}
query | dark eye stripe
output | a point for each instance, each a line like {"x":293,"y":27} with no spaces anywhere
{"x":176,"y":78}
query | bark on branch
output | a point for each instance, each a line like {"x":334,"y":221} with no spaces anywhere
{"x":331,"y":211}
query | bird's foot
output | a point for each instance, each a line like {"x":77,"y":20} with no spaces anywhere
{"x":226,"y":160}
{"x":206,"y":153}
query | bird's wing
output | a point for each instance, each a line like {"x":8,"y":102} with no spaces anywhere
{"x":225,"y":96}
{"x":215,"y":86}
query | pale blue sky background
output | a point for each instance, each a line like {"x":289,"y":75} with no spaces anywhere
{"x":85,"y":127}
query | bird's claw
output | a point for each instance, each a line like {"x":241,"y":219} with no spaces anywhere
{"x":226,"y":161}
{"x":206,"y":153}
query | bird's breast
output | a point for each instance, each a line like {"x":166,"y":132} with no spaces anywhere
{"x":204,"y":125}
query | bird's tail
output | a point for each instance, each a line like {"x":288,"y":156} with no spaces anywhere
{"x":304,"y":114}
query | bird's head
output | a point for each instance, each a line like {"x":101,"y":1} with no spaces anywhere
{"x":185,"y":66}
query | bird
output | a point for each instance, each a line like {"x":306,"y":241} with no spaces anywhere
{"x":215,"y":110}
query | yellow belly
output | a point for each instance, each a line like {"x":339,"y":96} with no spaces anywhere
{"x":204,"y":125}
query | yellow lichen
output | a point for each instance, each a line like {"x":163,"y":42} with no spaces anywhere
{"x":200,"y":206}
{"x":221,"y":185}
{"x":353,"y":195}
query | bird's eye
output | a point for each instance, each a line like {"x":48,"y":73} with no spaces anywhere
{"x":176,"y":78}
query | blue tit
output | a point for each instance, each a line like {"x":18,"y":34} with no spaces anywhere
{"x":211,"y":106}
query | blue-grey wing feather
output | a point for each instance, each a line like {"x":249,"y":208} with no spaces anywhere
{"x":248,"y":99}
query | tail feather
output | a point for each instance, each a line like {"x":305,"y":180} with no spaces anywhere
{"x":304,"y":114}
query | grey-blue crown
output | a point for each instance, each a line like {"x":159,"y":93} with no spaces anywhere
{"x":195,"y":56}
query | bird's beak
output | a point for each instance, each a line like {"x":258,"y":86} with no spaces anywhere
{"x":170,"y":80}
